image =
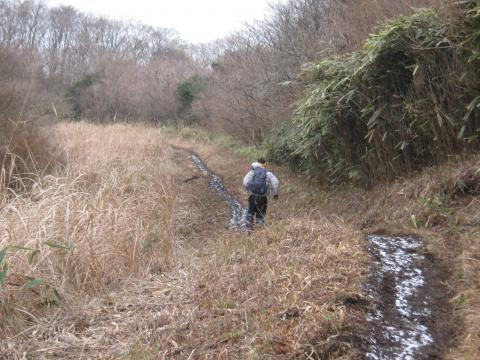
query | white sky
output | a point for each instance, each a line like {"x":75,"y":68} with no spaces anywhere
{"x":195,"y":20}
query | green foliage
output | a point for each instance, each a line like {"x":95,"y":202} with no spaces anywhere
{"x":31,"y":256}
{"x":438,"y":203}
{"x":471,"y":25}
{"x":408,"y":98}
{"x":4,"y":268}
{"x":33,"y":283}
{"x":188,"y":90}
{"x":76,"y":91}
{"x":3,"y":252}
{"x":415,"y":222}
{"x":56,"y":245}
{"x":49,"y":295}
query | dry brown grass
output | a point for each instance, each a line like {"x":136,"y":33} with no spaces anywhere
{"x":279,"y":293}
{"x":442,"y":205}
{"x":228,"y":295}
{"x":107,"y":217}
{"x":448,"y":214}
{"x":201,"y":291}
{"x":25,"y":155}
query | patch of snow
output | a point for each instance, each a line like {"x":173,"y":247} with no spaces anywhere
{"x":404,"y":328}
{"x":237,"y":211}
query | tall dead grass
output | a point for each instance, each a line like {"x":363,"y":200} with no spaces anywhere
{"x":25,"y":150}
{"x":106,"y":218}
{"x":25,"y":155}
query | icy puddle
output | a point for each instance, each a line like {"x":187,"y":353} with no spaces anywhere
{"x":398,"y":287}
{"x":237,"y":211}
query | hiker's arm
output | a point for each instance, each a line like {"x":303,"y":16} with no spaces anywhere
{"x":274,"y":183}
{"x":248,"y":179}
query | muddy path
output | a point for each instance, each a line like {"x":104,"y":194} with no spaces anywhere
{"x":237,"y":211}
{"x":410,"y":314}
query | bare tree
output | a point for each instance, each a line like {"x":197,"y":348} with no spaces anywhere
{"x":254,"y":78}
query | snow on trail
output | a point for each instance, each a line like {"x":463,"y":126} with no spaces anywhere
{"x":398,"y":288}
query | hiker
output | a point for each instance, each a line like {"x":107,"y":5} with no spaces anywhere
{"x":258,"y":182}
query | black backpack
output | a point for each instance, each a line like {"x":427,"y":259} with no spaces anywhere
{"x":258,"y":186}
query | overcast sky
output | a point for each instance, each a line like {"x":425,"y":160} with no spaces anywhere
{"x":195,"y":20}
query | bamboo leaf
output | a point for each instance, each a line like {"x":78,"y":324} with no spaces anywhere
{"x":3,"y":252}
{"x":57,"y":295}
{"x":33,"y":283}
{"x":415,"y":69}
{"x":475,"y":103}
{"x":3,"y":273}
{"x":373,"y":119}
{"x":370,"y":135}
{"x":55,"y":245}
{"x":32,"y":256}
{"x":461,"y":132}
{"x":22,"y":248}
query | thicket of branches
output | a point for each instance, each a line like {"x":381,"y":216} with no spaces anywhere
{"x":253,"y":78}
{"x":24,"y":150}
{"x":368,"y":110}
{"x":100,"y":69}
{"x":92,"y":67}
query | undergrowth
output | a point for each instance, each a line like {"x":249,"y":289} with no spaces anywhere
{"x":410,"y":97}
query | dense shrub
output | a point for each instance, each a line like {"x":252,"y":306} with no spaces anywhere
{"x":25,"y":152}
{"x":25,"y":155}
{"x":75,"y":93}
{"x":188,"y":90}
{"x":409,"y":97}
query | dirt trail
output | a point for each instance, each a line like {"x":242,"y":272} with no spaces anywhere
{"x":237,"y":211}
{"x":404,"y":287}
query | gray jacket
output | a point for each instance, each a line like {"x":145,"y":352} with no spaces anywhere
{"x":273,"y":183}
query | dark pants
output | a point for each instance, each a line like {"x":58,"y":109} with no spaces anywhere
{"x":257,"y":206}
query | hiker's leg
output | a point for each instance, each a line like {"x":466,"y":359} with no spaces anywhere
{"x":258,"y":214}
{"x":257,"y":211}
{"x":261,"y":210}
{"x":251,"y":210}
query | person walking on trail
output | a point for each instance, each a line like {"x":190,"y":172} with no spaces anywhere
{"x":259,"y":182}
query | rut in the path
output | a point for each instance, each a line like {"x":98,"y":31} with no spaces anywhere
{"x":405,"y":291}
{"x":237,"y":211}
